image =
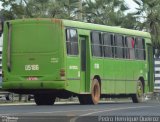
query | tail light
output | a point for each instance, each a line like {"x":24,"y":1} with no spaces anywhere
{"x":62,"y":72}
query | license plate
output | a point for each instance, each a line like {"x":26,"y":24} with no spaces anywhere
{"x":32,"y":78}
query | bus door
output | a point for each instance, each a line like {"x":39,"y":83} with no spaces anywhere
{"x":84,"y":55}
{"x":150,"y":67}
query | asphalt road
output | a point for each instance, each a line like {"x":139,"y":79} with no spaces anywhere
{"x":103,"y":112}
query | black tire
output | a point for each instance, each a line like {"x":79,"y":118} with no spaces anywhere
{"x":84,"y":99}
{"x":44,"y":99}
{"x":94,"y":97}
{"x":138,"y":97}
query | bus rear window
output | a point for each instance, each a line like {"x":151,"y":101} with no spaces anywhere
{"x":35,"y":38}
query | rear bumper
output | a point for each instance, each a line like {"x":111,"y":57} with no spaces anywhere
{"x":33,"y":85}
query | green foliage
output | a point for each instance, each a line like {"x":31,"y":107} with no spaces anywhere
{"x":14,"y":9}
{"x":107,"y":12}
{"x":100,"y":11}
{"x":148,"y":13}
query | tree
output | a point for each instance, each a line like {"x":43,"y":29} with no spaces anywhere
{"x":149,"y":17}
{"x":107,"y":12}
{"x":67,"y":9}
{"x":12,"y":9}
{"x":130,"y":22}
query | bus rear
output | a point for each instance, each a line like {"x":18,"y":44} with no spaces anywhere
{"x":33,"y":58}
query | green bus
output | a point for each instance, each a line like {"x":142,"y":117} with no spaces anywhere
{"x":52,"y":58}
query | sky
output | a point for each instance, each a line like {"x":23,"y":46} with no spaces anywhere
{"x":132,"y":5}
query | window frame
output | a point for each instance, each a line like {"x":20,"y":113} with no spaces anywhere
{"x":139,"y":49}
{"x":130,"y":48}
{"x":107,"y":45}
{"x":100,"y":45}
{"x":70,"y":51}
{"x":118,"y":46}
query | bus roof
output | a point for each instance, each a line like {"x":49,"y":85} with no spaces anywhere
{"x":112,"y":29}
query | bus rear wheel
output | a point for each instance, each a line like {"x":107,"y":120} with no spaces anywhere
{"x":94,"y":97}
{"x":138,"y":97}
{"x":96,"y":91}
{"x":44,"y":99}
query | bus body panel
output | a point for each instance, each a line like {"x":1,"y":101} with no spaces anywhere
{"x":73,"y":74}
{"x":117,"y":76}
{"x":36,"y":54}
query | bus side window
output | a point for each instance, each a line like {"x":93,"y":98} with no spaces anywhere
{"x":107,"y":38}
{"x":113,"y":45}
{"x":125,"y":52}
{"x":119,"y":46}
{"x":96,"y":43}
{"x":144,"y":51}
{"x":140,"y":48}
{"x":131,"y":46}
{"x":72,"y":41}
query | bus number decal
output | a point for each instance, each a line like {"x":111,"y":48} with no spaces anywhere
{"x":96,"y":66}
{"x":31,"y":67}
{"x":54,"y":60}
{"x":73,"y":67}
